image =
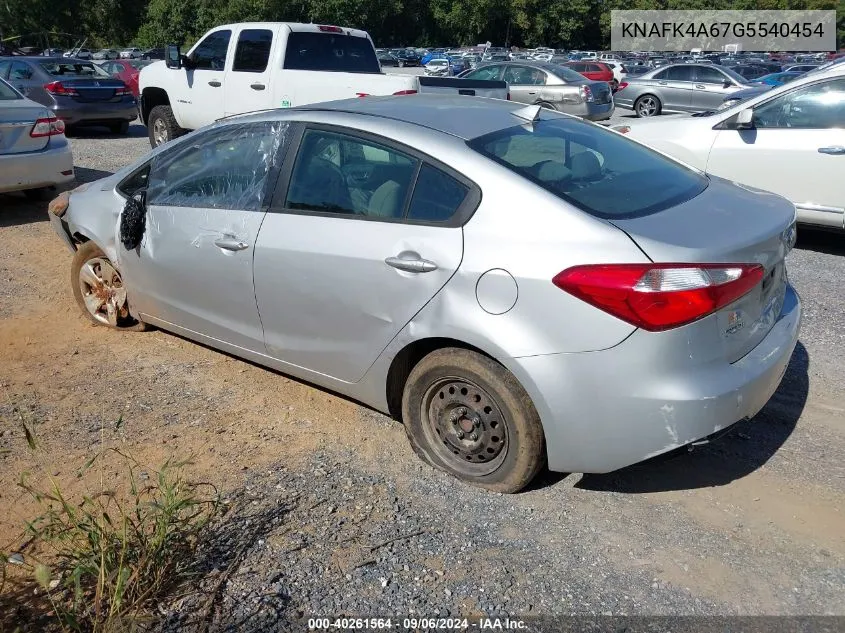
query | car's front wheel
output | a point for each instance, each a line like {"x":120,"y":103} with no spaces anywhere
{"x":647,"y":105}
{"x":98,"y":289}
{"x":466,"y":414}
{"x":162,"y":126}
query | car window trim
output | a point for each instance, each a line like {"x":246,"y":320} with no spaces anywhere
{"x":459,"y":218}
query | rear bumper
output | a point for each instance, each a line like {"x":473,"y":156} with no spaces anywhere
{"x":19,"y":172}
{"x":589,"y":111}
{"x":605,"y":410}
{"x":96,"y":112}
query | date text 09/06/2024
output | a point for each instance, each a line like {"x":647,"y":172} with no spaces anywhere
{"x":415,"y":624}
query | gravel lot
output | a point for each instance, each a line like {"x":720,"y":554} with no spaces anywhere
{"x":333,"y":515}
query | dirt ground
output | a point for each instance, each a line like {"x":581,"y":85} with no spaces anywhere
{"x":757,"y":522}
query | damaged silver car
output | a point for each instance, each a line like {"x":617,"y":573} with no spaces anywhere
{"x":517,"y":285}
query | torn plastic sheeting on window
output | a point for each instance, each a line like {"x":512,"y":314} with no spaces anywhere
{"x":225,"y":168}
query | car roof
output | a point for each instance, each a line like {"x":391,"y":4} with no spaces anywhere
{"x":458,"y":116}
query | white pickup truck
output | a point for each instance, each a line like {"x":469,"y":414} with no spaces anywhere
{"x":239,"y":68}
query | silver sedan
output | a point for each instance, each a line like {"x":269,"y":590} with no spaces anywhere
{"x":517,"y":285}
{"x":679,"y":88}
{"x":34,"y":152}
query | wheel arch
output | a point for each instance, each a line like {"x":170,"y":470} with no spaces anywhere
{"x":150,"y":98}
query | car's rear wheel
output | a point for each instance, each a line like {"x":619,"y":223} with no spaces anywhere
{"x":647,"y":105}
{"x":98,"y":289}
{"x":466,"y":414}
{"x":162,"y":126}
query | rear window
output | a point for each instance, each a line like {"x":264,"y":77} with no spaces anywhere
{"x":73,"y":69}
{"x":7,"y":93}
{"x":598,"y":171}
{"x":568,"y":75}
{"x":330,"y":52}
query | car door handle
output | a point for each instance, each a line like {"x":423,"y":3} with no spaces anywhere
{"x":257,"y":86}
{"x":214,"y":83}
{"x":230,"y":243}
{"x":411,"y":265}
{"x":701,"y":86}
{"x":835,"y":150}
{"x":663,"y":83}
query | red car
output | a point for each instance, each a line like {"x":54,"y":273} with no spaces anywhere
{"x":592,"y":70}
{"x":127,"y":70}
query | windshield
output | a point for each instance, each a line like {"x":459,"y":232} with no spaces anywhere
{"x":74,"y":69}
{"x":598,"y":171}
{"x":331,"y":52}
{"x":7,"y":93}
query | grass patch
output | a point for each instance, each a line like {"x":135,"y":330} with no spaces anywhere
{"x":104,"y":560}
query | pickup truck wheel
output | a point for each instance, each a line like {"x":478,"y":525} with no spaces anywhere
{"x":467,"y":415}
{"x":162,"y":126}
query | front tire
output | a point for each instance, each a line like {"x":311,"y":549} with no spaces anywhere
{"x":99,"y":291}
{"x":647,"y":106}
{"x":162,"y":126}
{"x":467,"y":415}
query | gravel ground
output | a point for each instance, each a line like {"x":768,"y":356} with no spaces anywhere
{"x":333,"y":515}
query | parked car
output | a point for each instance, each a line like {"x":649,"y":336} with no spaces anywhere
{"x":437,"y":67}
{"x":153,"y":53}
{"x":272,"y":65}
{"x":790,"y":140}
{"x":34,"y":153}
{"x":79,"y":53}
{"x":106,"y":53}
{"x":422,"y":254}
{"x":597,"y":71}
{"x":77,"y":91}
{"x":131,"y":53}
{"x":407,"y":58}
{"x":551,"y":86}
{"x":386,"y":59}
{"x":678,"y":88}
{"x":800,"y":68}
{"x":749,"y":71}
{"x":620,"y":73}
{"x":127,"y":70}
{"x":776,"y":79}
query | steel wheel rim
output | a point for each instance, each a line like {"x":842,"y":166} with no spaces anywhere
{"x":159,"y":132}
{"x":647,"y":107}
{"x":102,"y":291}
{"x":465,"y":426}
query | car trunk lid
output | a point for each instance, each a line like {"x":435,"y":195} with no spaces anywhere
{"x":17,"y":119}
{"x":601,"y":92}
{"x":731,"y":224}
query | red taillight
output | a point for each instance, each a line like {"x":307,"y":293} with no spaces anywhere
{"x":622,"y":86}
{"x":47,"y":127}
{"x":405,"y":92}
{"x":58,"y":88}
{"x":330,"y":29}
{"x":362,"y":94}
{"x":659,"y":297}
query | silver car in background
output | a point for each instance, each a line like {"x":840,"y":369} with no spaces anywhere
{"x":520,"y":287}
{"x":679,"y":88}
{"x":34,"y":152}
{"x":551,"y":86}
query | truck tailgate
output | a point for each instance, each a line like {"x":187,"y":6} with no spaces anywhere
{"x":470,"y":87}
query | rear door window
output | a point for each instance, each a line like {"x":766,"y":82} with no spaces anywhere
{"x":601,"y":173}
{"x":330,"y":52}
{"x":20,"y":72}
{"x":253,"y":51}
{"x":437,"y":196}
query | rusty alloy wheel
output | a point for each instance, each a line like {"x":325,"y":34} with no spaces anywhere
{"x":466,"y":425}
{"x":103,"y":291}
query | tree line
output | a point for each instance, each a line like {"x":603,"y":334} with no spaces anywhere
{"x":571,"y":24}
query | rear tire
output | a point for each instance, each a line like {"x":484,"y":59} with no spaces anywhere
{"x":647,"y":106}
{"x":467,"y":415}
{"x":162,"y":126}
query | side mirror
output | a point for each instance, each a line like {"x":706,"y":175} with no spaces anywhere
{"x":744,"y":119}
{"x":727,"y":83}
{"x":173,"y":56}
